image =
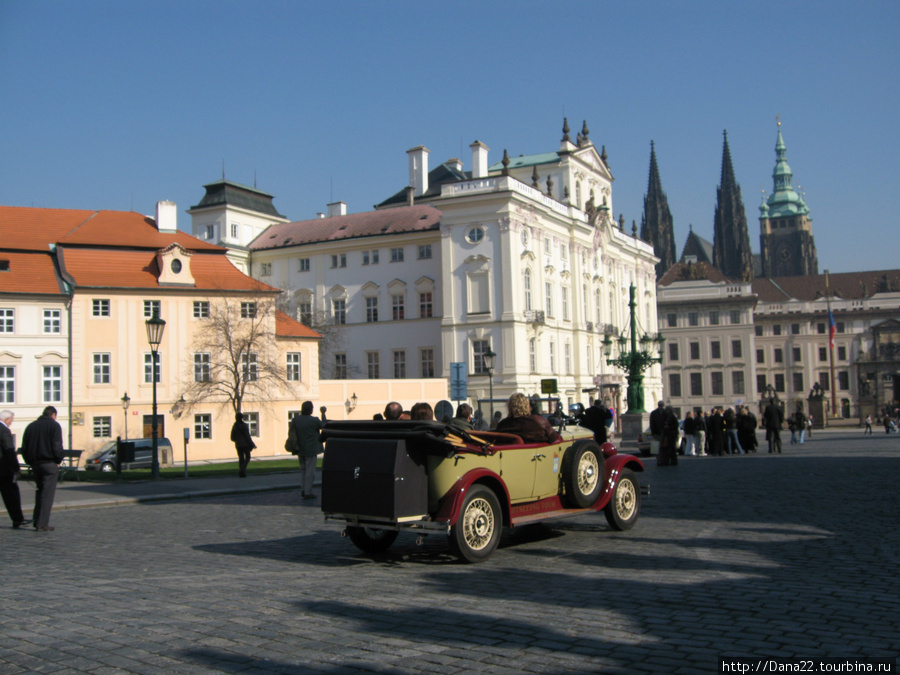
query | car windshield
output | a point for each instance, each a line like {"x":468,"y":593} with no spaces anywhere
{"x":111,"y":445}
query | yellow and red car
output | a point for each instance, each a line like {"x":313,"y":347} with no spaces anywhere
{"x":381,"y":478}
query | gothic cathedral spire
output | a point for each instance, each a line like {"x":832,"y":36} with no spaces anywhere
{"x":787,"y":247}
{"x":731,"y":240}
{"x":656,"y":224}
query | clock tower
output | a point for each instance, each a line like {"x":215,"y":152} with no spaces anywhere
{"x":786,"y":241}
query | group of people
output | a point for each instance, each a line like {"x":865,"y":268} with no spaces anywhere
{"x":42,"y":450}
{"x":723,"y":431}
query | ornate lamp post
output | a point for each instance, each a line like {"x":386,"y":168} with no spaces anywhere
{"x":633,"y":361}
{"x":155,"y":329}
{"x":126,"y":401}
{"x":488,"y":357}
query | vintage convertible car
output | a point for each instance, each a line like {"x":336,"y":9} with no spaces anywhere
{"x":380,"y":478}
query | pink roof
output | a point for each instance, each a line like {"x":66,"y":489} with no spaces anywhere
{"x":366,"y":224}
{"x":29,"y":273}
{"x":285,"y":326}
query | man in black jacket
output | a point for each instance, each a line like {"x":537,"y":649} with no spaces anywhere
{"x":773,"y":418}
{"x":9,"y":471}
{"x":243,"y":443}
{"x":42,"y":448}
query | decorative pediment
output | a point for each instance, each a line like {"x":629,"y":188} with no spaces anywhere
{"x":478,"y":263}
{"x":528,"y":255}
{"x":397,"y":286}
{"x":370,"y":290}
{"x":424,"y":284}
{"x":337,"y":292}
{"x":174,"y":264}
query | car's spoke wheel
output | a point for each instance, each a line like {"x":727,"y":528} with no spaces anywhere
{"x":371,"y":539}
{"x":107,"y":467}
{"x":476,"y":533}
{"x":625,"y":506}
{"x":583,"y":474}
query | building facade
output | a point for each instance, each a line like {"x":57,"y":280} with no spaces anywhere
{"x":521,"y":258}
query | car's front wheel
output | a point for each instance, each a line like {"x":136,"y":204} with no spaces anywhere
{"x":107,"y":467}
{"x":625,"y":505}
{"x":476,"y":534}
{"x":583,"y":474}
{"x":371,"y":539}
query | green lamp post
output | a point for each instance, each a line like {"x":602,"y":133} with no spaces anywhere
{"x":632,"y":360}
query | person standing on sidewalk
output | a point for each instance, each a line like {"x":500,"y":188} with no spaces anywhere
{"x":303,"y":441}
{"x":868,"y":425}
{"x":42,"y":449}
{"x":772,"y":421}
{"x":243,"y":443}
{"x":9,"y":471}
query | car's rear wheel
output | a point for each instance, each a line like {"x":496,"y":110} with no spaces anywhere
{"x":476,"y":534}
{"x":107,"y":467}
{"x":625,"y":505}
{"x":371,"y":539}
{"x":583,"y":474}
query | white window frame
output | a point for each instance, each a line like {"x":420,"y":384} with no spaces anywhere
{"x":373,"y":365}
{"x":7,"y":384}
{"x":102,"y":426}
{"x":398,"y":356}
{"x":102,"y":368}
{"x":202,"y":427}
{"x":52,"y":321}
{"x":152,"y":308}
{"x":201,"y":309}
{"x":294,"y":366}
{"x":7,"y":320}
{"x":201,"y":366}
{"x":426,"y":362}
{"x":148,"y":367}
{"x":250,"y":366}
{"x":51,"y":384}
{"x":100,"y":307}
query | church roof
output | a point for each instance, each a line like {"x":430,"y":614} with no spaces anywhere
{"x":697,"y":247}
{"x":416,"y":218}
{"x":225,"y":192}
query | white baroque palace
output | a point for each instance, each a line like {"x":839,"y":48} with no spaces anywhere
{"x":521,"y":258}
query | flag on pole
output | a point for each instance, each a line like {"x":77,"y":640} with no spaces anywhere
{"x":831,"y":329}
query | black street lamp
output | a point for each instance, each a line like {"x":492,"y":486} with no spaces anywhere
{"x":488,"y":358}
{"x":126,"y":401}
{"x":155,"y":329}
{"x":633,"y":361}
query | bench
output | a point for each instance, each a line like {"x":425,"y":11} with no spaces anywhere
{"x":65,"y":467}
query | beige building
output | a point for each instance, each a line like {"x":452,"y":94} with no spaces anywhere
{"x":117,"y":269}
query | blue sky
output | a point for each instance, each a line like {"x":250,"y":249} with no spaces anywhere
{"x":116,"y":105}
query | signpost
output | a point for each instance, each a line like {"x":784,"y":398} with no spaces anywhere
{"x":458,"y":381}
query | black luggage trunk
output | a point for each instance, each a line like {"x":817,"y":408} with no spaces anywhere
{"x":375,"y":478}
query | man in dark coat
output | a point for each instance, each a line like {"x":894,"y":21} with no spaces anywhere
{"x":668,"y":447}
{"x":715,"y":429}
{"x":595,"y":418}
{"x":243,"y":443}
{"x":42,"y":448}
{"x":773,"y":418}
{"x":9,"y":471}
{"x":657,"y":423}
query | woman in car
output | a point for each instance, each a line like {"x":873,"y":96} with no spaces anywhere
{"x":530,"y":428}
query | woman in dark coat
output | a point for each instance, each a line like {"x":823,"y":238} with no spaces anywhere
{"x":668,"y":446}
{"x":716,"y":433}
{"x":746,"y":426}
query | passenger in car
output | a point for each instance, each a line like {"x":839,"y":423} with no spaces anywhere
{"x":530,"y":428}
{"x":463,"y":417}
{"x":422,"y":411}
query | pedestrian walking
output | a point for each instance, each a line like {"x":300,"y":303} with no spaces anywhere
{"x":868,"y":429}
{"x":773,"y":418}
{"x":9,"y":471}
{"x":731,"y":433}
{"x":42,"y":449}
{"x":800,"y":422}
{"x":668,"y":446}
{"x":243,"y":443}
{"x":715,"y":431}
{"x":303,"y":441}
{"x":690,"y":440}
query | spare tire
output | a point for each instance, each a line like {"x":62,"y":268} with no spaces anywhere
{"x":583,"y":474}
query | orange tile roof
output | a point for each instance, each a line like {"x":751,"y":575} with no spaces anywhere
{"x":846,"y":285}
{"x":32,"y":273}
{"x":33,"y":229}
{"x":114,"y":268}
{"x":285,"y":326}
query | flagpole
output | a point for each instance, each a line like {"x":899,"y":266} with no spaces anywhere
{"x":831,"y":328}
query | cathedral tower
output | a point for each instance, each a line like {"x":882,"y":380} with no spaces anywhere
{"x":731,"y":240}
{"x":786,"y":241}
{"x":656,"y":224}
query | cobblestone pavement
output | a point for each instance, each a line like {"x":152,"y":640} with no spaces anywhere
{"x":793,"y":555}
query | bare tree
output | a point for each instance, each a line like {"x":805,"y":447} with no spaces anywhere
{"x":320,"y":321}
{"x":235,"y":354}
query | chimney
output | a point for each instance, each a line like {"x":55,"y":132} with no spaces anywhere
{"x":337,"y":209}
{"x":418,"y":169}
{"x":320,"y":215}
{"x":166,"y":217}
{"x":479,"y":159}
{"x":410,"y":198}
{"x":455,"y":164}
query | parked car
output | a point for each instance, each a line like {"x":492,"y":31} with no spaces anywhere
{"x":105,"y":458}
{"x":381,"y":478}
